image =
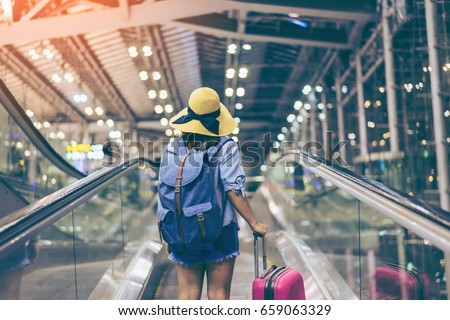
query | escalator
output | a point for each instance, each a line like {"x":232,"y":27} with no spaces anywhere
{"x":28,"y":162}
{"x":336,"y":227}
{"x":98,"y":239}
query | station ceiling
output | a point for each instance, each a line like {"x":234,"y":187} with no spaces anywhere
{"x":137,"y":61}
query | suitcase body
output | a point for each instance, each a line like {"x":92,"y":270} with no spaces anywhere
{"x":276,"y":283}
{"x":391,"y":282}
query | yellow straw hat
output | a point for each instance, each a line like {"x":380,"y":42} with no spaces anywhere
{"x":205,"y":115}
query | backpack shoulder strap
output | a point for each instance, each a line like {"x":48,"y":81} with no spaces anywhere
{"x":179,"y":147}
{"x":223,"y":141}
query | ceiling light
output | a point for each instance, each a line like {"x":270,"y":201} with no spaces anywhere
{"x":99,"y":111}
{"x":110,"y":123}
{"x":132,"y":51}
{"x":143,"y":75}
{"x":89,"y":111}
{"x":168,"y":108}
{"x":237,"y":119}
{"x":298,"y":105}
{"x":159,"y":109}
{"x":320,"y":106}
{"x":238,"y":106}
{"x":281,"y":137}
{"x":152,"y":94}
{"x":291,"y":118}
{"x":229,"y":92}
{"x":300,"y":118}
{"x":307,"y":106}
{"x":169,"y":132}
{"x":163,"y":94}
{"x":156,"y":75}
{"x":230,"y":73}
{"x":247,"y":47}
{"x":306,"y":89}
{"x":322,"y":116}
{"x":319,"y":89}
{"x":243,"y":72}
{"x":240,"y":92}
{"x":164,"y":122}
{"x":29,"y":113}
{"x":232,"y":48}
{"x":284,"y":130}
{"x":147,"y":50}
{"x":56,"y":78}
{"x":236,"y":131}
{"x":47,"y":124}
{"x":100,"y":122}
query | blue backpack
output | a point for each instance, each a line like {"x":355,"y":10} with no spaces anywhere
{"x":189,"y":209}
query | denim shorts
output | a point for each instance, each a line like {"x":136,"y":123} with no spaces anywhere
{"x":224,"y":248}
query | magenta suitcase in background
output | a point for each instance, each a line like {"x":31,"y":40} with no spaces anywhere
{"x":276,"y":283}
{"x":392,"y":282}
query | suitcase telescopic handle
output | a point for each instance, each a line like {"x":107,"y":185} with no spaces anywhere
{"x":255,"y":249}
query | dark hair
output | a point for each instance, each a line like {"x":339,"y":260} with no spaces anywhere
{"x":199,"y":141}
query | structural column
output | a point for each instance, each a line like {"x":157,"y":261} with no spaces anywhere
{"x":340,"y":118}
{"x":390,"y":82}
{"x":361,"y":111}
{"x":438,"y":114}
{"x":324,"y":111}
{"x":313,"y":102}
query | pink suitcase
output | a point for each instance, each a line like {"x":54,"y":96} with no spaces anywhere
{"x":392,"y":282}
{"x":276,"y":283}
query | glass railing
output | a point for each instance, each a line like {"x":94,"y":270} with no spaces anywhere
{"x":23,"y":165}
{"x":96,"y":238}
{"x":378,"y":257}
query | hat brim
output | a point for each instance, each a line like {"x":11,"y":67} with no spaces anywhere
{"x":226,"y":126}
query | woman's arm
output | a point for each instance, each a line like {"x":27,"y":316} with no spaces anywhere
{"x":242,"y":206}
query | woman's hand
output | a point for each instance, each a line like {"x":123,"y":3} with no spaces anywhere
{"x":259,"y":228}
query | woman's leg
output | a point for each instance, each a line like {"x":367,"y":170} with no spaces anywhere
{"x":219,"y":279}
{"x":190,"y":282}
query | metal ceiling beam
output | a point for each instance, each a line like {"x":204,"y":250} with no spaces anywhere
{"x":163,"y":13}
{"x":40,"y":6}
{"x":90,"y":62}
{"x":222,"y":33}
{"x":15,"y":62}
{"x":148,"y":12}
{"x":335,"y":10}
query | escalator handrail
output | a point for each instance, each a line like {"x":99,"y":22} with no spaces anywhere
{"x":417,"y":214}
{"x":27,"y":222}
{"x":23,"y":121}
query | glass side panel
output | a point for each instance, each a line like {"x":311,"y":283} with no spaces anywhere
{"x":98,"y":238}
{"x":400,"y":265}
{"x":23,"y":166}
{"x":139,"y":199}
{"x":369,"y":250}
{"x":53,"y":275}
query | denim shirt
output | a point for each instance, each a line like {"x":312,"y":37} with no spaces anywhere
{"x":229,"y":176}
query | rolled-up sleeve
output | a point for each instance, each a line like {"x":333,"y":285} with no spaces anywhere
{"x":231,"y":171}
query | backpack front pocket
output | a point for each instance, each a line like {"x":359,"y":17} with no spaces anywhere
{"x":201,"y":222}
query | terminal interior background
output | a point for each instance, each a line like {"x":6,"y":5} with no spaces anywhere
{"x":87,"y":84}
